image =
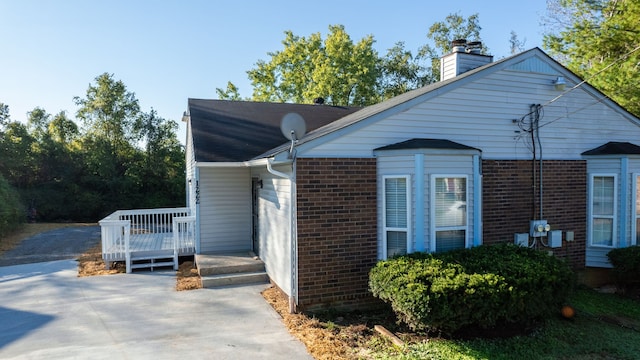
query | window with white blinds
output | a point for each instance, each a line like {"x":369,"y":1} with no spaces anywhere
{"x":449,"y":209}
{"x":396,"y":214}
{"x":603,"y":210}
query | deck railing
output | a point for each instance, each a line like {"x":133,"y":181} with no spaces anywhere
{"x":145,"y":231}
{"x":184,"y":230}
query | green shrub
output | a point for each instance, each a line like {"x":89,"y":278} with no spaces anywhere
{"x":12,"y":213}
{"x":626,"y":265}
{"x":483,"y":286}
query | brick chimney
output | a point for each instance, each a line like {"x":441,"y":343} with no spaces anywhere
{"x":464,"y":56}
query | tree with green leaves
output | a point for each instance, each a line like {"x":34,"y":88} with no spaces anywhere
{"x":4,"y":114}
{"x":38,"y":122}
{"x":598,"y":40}
{"x":63,"y":130}
{"x":12,"y":212}
{"x":18,"y":163}
{"x":454,"y":26}
{"x":160,"y":170}
{"x":335,"y":68}
{"x":347,"y":73}
{"x":402,"y":71}
{"x":442,"y":33}
{"x":120,"y":158}
{"x":230,"y":93}
{"x":109,"y":111}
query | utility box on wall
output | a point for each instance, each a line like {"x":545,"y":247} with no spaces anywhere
{"x":538,"y":228}
{"x":521,"y":239}
{"x":555,"y":238}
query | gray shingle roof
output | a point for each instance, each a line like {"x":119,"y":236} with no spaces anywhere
{"x":234,"y":131}
{"x":615,"y":148}
{"x":427,"y":144}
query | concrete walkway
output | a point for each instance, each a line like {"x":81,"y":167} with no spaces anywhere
{"x":47,"y":312}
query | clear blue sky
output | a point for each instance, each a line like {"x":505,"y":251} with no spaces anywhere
{"x":168,"y":51}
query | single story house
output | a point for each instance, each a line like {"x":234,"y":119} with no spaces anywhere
{"x":520,"y":149}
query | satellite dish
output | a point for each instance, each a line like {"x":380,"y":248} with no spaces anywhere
{"x":293,"y":126}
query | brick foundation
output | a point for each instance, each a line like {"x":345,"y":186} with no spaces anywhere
{"x":337,"y":231}
{"x":508,"y":207}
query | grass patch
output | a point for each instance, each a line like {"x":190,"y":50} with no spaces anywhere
{"x":606,"y":326}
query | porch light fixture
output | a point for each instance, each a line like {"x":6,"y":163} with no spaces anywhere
{"x":559,"y":83}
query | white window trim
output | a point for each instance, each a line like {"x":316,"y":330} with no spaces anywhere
{"x":634,"y":208}
{"x":432,"y":210}
{"x":614,"y":242}
{"x":384,"y":214}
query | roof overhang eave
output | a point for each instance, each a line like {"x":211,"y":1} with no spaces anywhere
{"x":229,"y":164}
{"x":224,"y":164}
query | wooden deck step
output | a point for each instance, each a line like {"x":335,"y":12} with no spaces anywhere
{"x":151,"y":263}
{"x":211,"y":281}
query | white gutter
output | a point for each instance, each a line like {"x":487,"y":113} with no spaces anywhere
{"x":293,"y":297}
{"x":247,"y":163}
{"x":270,"y":163}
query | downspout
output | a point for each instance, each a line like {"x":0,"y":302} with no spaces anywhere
{"x":293,"y":297}
{"x":420,"y":202}
{"x":477,"y":200}
{"x":624,"y":183}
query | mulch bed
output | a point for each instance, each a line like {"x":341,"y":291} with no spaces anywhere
{"x":91,"y":264}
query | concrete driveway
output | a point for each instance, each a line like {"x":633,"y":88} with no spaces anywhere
{"x":47,"y":312}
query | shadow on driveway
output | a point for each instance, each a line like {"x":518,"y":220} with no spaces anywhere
{"x":16,"y":324}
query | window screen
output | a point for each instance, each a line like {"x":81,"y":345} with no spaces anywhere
{"x":450,"y":207}
{"x":396,"y":215}
{"x":602,"y":210}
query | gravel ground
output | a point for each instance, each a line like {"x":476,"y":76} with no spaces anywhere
{"x":59,"y":244}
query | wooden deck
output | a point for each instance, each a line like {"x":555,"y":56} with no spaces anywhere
{"x":151,"y":250}
{"x":147,"y":238}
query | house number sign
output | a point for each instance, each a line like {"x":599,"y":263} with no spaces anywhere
{"x":197,"y":192}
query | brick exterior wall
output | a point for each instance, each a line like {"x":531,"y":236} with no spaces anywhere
{"x":337,"y":219}
{"x":507,"y":202}
{"x":337,"y":231}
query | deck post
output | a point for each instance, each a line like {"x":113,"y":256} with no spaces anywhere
{"x":127,"y":238}
{"x":176,"y":237}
